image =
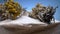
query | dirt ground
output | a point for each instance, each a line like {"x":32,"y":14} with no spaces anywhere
{"x":35,"y":29}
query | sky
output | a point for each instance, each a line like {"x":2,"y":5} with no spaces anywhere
{"x":29,"y":4}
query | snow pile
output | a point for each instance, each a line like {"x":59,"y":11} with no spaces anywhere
{"x":23,"y":20}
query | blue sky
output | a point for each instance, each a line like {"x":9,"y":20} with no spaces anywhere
{"x":29,"y":4}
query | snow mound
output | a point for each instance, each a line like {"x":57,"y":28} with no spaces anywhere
{"x":23,"y":20}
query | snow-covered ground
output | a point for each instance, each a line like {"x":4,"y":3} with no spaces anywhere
{"x":56,"y":21}
{"x":24,"y":20}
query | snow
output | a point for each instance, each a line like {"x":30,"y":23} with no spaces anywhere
{"x":56,"y":21}
{"x":23,"y":20}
